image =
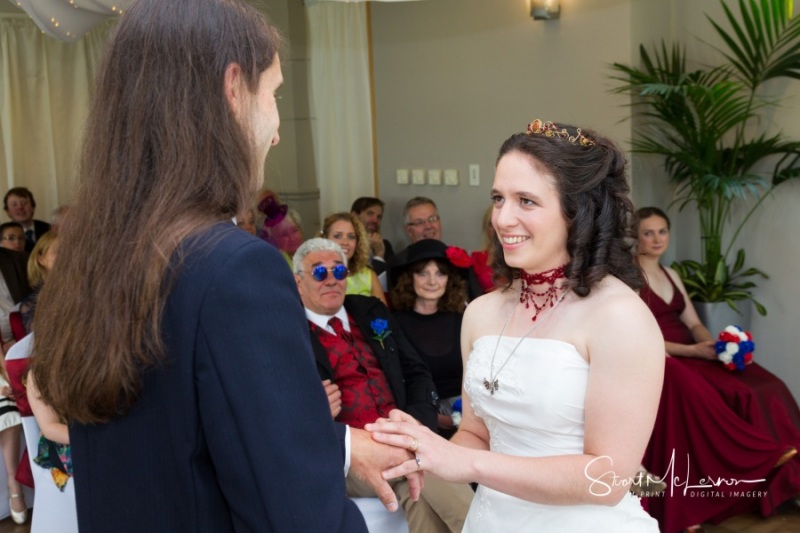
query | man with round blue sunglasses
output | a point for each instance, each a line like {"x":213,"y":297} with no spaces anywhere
{"x":368,"y":369}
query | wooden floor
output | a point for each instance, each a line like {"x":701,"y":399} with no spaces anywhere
{"x":787,"y":520}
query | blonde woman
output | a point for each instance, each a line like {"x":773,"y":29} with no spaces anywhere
{"x":347,"y":231}
{"x":40,"y":263}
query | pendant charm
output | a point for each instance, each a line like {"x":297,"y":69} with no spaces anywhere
{"x":491,"y":386}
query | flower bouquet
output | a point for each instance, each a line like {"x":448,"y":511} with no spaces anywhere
{"x":735,"y":348}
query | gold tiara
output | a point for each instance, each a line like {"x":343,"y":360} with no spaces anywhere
{"x":549,"y":129}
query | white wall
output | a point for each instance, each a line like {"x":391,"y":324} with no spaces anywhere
{"x":454,"y":78}
{"x":771,"y":238}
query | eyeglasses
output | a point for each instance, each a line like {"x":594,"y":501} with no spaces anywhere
{"x":320,"y":273}
{"x":430,"y":220}
{"x":13,"y":238}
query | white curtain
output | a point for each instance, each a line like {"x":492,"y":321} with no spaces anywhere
{"x":340,"y":103}
{"x":45,"y":89}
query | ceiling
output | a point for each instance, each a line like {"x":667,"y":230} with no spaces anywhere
{"x":7,"y":7}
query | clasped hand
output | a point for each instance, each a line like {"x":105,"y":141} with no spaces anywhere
{"x":432,"y":453}
{"x":369,"y":459}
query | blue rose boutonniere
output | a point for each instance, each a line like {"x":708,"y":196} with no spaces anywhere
{"x":380,"y":328}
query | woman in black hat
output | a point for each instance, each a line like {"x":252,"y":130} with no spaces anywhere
{"x":429,"y":298}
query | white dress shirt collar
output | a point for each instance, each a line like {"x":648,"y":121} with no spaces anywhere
{"x":322,"y":320}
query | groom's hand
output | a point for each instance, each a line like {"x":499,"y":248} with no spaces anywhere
{"x":368,"y":459}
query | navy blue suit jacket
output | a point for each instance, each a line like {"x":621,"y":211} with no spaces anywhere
{"x":233,"y":431}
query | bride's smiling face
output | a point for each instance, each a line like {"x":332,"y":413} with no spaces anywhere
{"x":527,"y":215}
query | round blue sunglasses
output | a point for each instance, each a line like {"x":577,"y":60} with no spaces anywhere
{"x":320,"y":273}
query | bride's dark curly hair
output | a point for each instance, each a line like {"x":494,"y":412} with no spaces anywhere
{"x":591,"y":184}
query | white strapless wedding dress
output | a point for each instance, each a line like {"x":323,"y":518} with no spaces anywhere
{"x":537,"y":411}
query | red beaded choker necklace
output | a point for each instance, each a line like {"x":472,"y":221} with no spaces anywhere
{"x":529,"y":281}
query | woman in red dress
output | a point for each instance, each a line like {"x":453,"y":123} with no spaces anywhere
{"x":732,"y":428}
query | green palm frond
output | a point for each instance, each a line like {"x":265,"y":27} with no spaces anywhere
{"x":705,"y":124}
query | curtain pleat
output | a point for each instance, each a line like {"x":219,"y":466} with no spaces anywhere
{"x":340,"y":103}
{"x":45,"y":91}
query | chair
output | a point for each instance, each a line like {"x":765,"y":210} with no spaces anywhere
{"x":54,"y":510}
{"x":378,"y":519}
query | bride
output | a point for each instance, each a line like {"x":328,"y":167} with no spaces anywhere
{"x":565,"y":365}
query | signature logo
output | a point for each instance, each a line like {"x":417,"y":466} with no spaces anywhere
{"x":603,"y":484}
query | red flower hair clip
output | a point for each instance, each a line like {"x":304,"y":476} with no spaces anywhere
{"x":458,"y":257}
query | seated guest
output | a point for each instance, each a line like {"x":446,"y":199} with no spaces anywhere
{"x":757,"y":395}
{"x":422,"y":221}
{"x":282,"y":226}
{"x":49,"y":423}
{"x":369,"y":368}
{"x":370,"y":212}
{"x":40,"y":264}
{"x":12,"y":236}
{"x":14,"y":287}
{"x":482,"y":259}
{"x":10,"y":431}
{"x":54,"y":452}
{"x":20,"y":207}
{"x":346,"y":230}
{"x":707,"y":430}
{"x":428,"y":299}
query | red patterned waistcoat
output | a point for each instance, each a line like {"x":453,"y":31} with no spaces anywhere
{"x":366,"y":394}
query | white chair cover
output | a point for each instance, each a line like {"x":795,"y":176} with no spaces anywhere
{"x":378,"y":519}
{"x":55,"y":510}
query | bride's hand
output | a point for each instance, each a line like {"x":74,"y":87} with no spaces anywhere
{"x":432,"y":453}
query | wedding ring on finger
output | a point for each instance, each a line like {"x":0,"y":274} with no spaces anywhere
{"x":419,"y":463}
{"x":414,"y":445}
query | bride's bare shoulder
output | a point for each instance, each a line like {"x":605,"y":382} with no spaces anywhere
{"x":490,"y":305}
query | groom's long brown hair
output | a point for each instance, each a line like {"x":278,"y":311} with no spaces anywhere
{"x":163,"y":158}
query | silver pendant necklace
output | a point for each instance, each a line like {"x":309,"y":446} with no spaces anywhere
{"x":493,"y":384}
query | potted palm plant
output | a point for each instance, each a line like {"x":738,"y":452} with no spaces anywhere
{"x":706,"y":123}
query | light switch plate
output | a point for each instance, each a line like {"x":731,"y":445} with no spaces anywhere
{"x":475,"y":175}
{"x":402,"y":176}
{"x":434,"y":176}
{"x":418,"y":176}
{"x":451,"y":176}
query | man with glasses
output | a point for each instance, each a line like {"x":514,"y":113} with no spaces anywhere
{"x":12,"y":236}
{"x":368,"y":368}
{"x":422,"y":219}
